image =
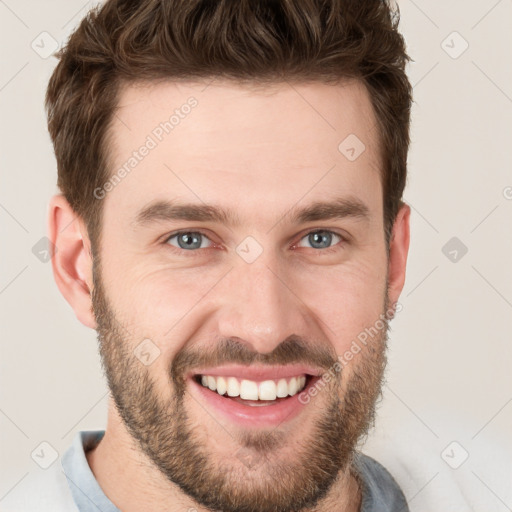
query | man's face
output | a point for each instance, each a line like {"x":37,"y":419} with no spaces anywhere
{"x":257,"y":305}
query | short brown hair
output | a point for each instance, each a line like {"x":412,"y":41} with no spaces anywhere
{"x":250,"y":41}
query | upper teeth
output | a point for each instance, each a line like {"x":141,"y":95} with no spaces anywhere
{"x":251,"y":390}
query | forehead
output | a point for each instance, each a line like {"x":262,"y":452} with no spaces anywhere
{"x":264,"y":146}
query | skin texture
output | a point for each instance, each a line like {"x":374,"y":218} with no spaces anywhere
{"x":261,"y":153}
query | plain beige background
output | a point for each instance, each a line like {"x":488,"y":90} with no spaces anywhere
{"x":449,"y":382}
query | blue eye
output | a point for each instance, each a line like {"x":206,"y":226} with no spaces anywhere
{"x":321,"y":239}
{"x":188,"y":240}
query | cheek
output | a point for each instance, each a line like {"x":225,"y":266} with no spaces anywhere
{"x":153,"y":297}
{"x":346,"y":300}
{"x":159,"y":304}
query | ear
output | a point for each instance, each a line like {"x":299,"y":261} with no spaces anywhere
{"x":72,"y":259}
{"x":398,"y":251}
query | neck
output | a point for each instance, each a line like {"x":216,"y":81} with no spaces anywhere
{"x":130,"y":480}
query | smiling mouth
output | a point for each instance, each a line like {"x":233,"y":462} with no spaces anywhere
{"x":254,"y":393}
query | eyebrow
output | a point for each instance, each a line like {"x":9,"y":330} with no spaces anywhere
{"x":167,"y":210}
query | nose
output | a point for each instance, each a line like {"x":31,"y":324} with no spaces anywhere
{"x":259,"y":306}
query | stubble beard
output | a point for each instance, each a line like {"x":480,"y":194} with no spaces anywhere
{"x":178,"y":446}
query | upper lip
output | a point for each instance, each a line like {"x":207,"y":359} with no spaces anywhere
{"x":258,"y":372}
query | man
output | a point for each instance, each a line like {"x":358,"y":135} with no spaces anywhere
{"x":231,"y":225}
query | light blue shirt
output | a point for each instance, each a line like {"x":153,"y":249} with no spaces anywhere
{"x":71,"y":486}
{"x":86,"y":491}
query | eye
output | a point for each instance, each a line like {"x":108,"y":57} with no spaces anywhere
{"x":321,"y":239}
{"x":188,"y":240}
{"x":192,"y":240}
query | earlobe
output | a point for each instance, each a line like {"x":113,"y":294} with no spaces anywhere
{"x":398,"y":251}
{"x":71,"y":261}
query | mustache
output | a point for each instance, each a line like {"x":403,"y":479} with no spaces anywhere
{"x":293,"y":350}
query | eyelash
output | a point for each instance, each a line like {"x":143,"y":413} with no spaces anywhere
{"x":328,"y":250}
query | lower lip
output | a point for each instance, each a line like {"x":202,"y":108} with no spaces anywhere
{"x":247,"y":415}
